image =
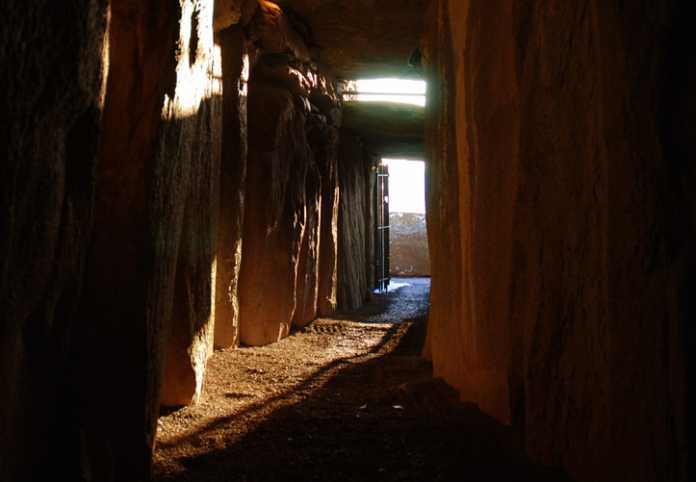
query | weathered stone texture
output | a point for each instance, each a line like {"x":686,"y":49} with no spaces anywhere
{"x":280,"y":272}
{"x":150,"y":262}
{"x":561,"y":213}
{"x":355,"y":277}
{"x":272,"y":32}
{"x":191,"y":135}
{"x":274,"y":214}
{"x":324,"y":141}
{"x":408,"y":240}
{"x":229,"y":13}
{"x":308,"y":264}
{"x":232,"y":180}
{"x":553,"y":297}
{"x":51,"y":100}
{"x":471,"y":247}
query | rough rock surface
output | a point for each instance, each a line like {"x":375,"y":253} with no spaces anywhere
{"x":554,"y":299}
{"x":308,"y":264}
{"x":229,"y":13}
{"x":193,"y":132}
{"x":274,"y":214}
{"x":324,"y":142}
{"x":232,"y":180}
{"x":273,"y":32}
{"x":355,"y":229}
{"x":290,"y":117}
{"x":150,"y":262}
{"x":561,"y":212}
{"x":408,"y":240}
{"x":51,"y":101}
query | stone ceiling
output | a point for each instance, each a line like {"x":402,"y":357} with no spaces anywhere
{"x":350,"y":39}
{"x":388,"y":129}
{"x":367,"y":39}
{"x":363,"y":38}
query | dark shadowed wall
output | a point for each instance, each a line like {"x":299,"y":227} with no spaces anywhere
{"x":558,"y":297}
{"x":51,"y":100}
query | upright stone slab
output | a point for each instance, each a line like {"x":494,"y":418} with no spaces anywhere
{"x":232,"y":180}
{"x":149,"y":272}
{"x":53,"y":56}
{"x":557,"y":132}
{"x":324,"y":142}
{"x":193,"y":131}
{"x":355,"y":228}
{"x":308,"y":266}
{"x":274,"y":214}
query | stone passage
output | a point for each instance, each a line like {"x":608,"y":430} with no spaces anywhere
{"x":184,"y":175}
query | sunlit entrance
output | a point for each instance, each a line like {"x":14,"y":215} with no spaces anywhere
{"x":408,"y":228}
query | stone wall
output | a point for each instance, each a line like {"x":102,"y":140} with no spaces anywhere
{"x":560,"y":210}
{"x":558,"y":298}
{"x":355,"y":228}
{"x":235,"y":68}
{"x":292,"y":141}
{"x":408,"y":245}
{"x":325,"y":147}
{"x":123,"y":201}
{"x":146,"y":319}
{"x":144,"y":231}
{"x":308,"y":263}
{"x":51,"y":100}
{"x":191,"y":135}
{"x":274,"y":214}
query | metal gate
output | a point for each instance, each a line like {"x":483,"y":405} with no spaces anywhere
{"x":382,"y":276}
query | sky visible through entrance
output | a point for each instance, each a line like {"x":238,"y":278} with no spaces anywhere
{"x":391,"y":90}
{"x":406,"y":186}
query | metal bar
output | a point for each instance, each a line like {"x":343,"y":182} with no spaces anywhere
{"x":382,"y":229}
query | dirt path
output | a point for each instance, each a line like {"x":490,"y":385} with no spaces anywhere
{"x":408,"y":301}
{"x":338,"y":401}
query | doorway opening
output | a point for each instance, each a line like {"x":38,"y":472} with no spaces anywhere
{"x":388,"y":114}
{"x":403,"y":263}
{"x":408,"y":243}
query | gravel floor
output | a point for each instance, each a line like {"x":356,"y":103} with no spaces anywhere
{"x":409,"y":301}
{"x":341,"y":400}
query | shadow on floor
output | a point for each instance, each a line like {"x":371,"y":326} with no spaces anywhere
{"x":381,"y":419}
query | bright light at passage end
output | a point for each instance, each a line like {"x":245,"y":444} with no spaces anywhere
{"x":406,"y":186}
{"x":391,"y":90}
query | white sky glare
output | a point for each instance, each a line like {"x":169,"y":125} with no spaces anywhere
{"x":392,"y":90}
{"x":406,"y":186}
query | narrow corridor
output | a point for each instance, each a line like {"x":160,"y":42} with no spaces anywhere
{"x":198,"y":199}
